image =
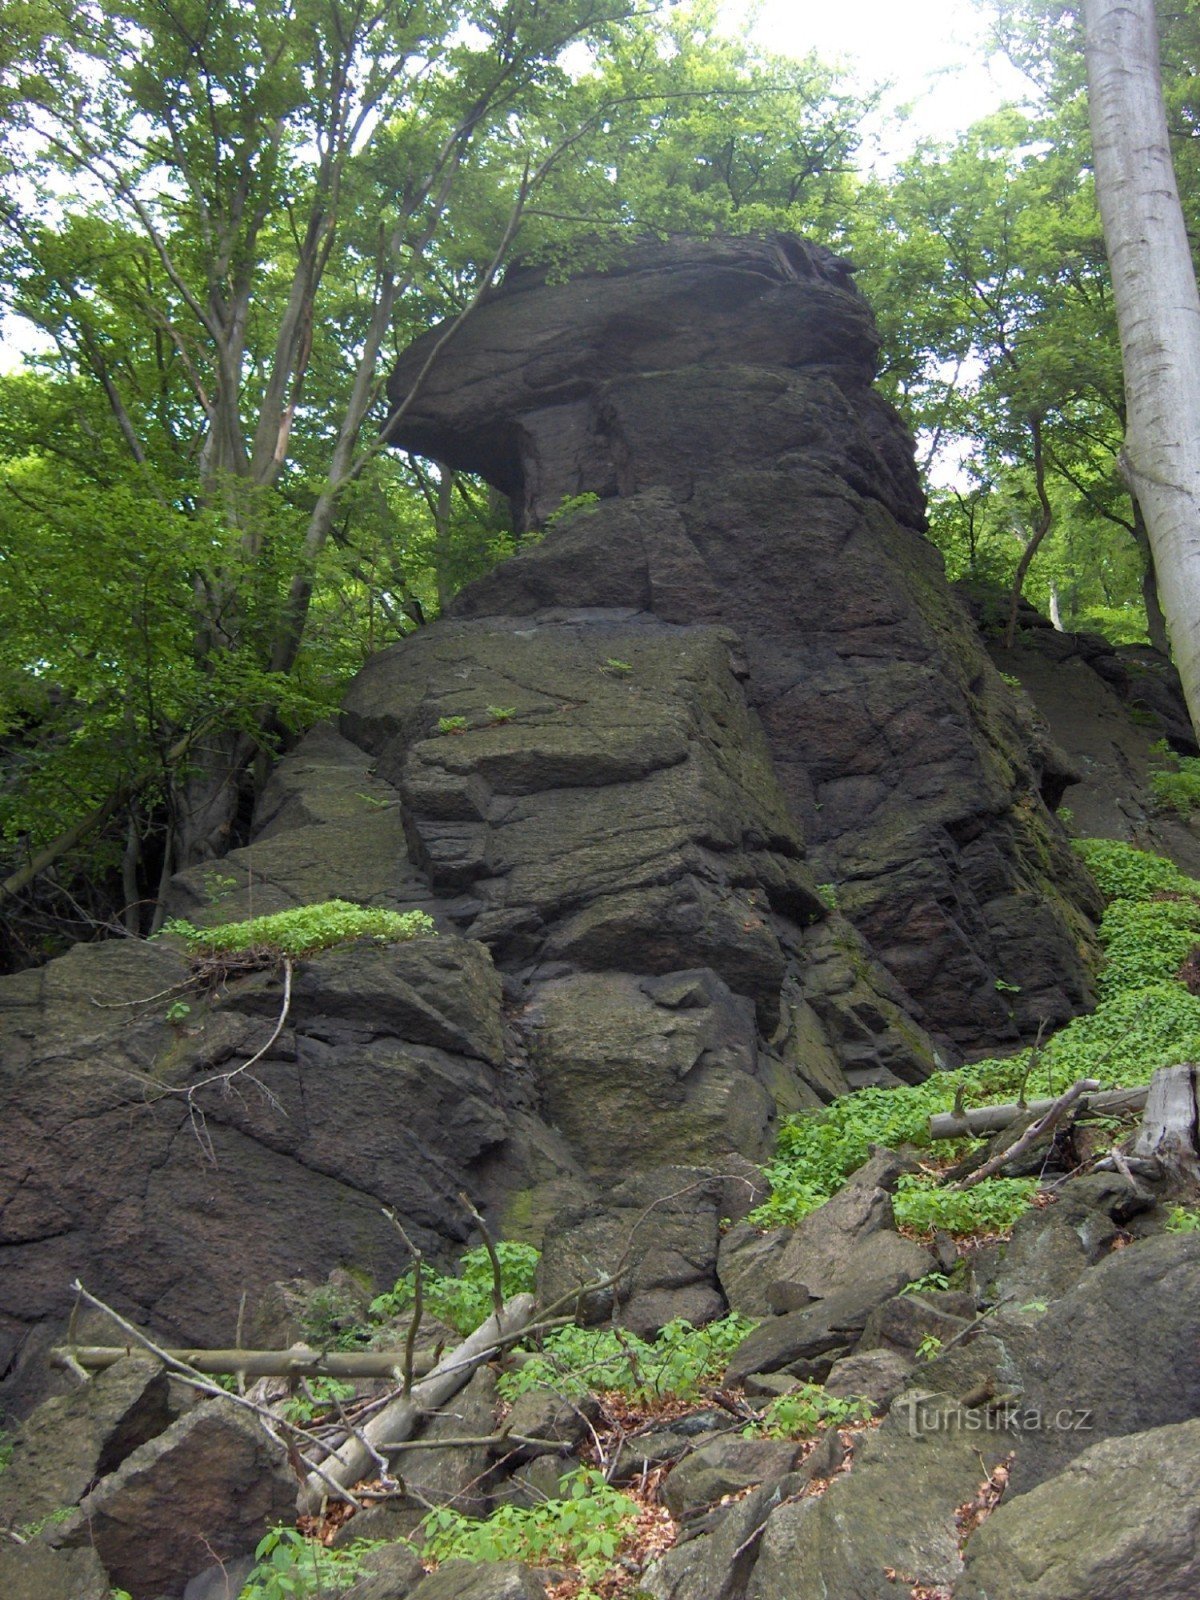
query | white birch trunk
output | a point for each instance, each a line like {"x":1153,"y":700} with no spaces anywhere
{"x":1158,"y":309}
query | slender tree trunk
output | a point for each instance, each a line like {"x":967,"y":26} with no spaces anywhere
{"x":1158,"y":308}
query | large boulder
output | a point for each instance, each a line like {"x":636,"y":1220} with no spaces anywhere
{"x":209,"y":1487}
{"x":1122,"y":1521}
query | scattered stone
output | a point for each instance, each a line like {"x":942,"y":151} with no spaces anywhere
{"x":547,"y":1416}
{"x":221,"y":1581}
{"x":893,"y":1513}
{"x":811,"y":1335}
{"x":872,"y":1269}
{"x":670,"y":1442}
{"x":1115,"y":1355}
{"x":819,"y":1253}
{"x":747,"y":1266}
{"x":878,"y":1375}
{"x":904,"y":1321}
{"x":726,"y":1466}
{"x":391,"y":1573}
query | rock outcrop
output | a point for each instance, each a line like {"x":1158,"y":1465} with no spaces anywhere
{"x":717,"y":398}
{"x":715,"y":798}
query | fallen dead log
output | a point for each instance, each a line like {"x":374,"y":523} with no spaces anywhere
{"x":1037,"y":1130}
{"x":301,"y":1361}
{"x":360,"y":1453}
{"x":991,"y":1119}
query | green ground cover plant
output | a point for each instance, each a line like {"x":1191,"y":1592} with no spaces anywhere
{"x":1146,"y":1019}
{"x":682,"y":1361}
{"x":584,"y":1529}
{"x":462,"y":1300}
{"x":290,"y":1567}
{"x":807,"y":1411}
{"x":303,"y":930}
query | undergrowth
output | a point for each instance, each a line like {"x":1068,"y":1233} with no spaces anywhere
{"x":302,"y":930}
{"x":583,"y":1530}
{"x":807,"y":1411}
{"x":462,"y":1301}
{"x":290,"y":1567}
{"x":1175,"y":782}
{"x":1146,"y":1019}
{"x":681,"y":1362}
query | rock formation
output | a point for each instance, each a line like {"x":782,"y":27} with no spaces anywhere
{"x":758,"y":822}
{"x":717,"y":398}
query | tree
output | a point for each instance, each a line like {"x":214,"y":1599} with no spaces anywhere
{"x":224,"y":216}
{"x":1158,"y":307}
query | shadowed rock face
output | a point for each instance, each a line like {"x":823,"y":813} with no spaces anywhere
{"x":717,"y":397}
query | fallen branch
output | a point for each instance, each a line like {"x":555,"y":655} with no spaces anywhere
{"x":301,"y":1361}
{"x":352,"y":1460}
{"x":993,"y":1119}
{"x":1036,"y":1130}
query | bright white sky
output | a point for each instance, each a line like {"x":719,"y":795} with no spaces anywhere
{"x":934,"y":52}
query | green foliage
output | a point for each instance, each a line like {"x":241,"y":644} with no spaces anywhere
{"x":452,"y":725}
{"x":465,"y":1300}
{"x":572,"y":506}
{"x":682,"y":1361}
{"x":929,"y":1347}
{"x":322,"y":1397}
{"x":1125,"y":873}
{"x":582,"y":1530}
{"x":291,"y":1567}
{"x":500,"y":713}
{"x":1175,"y":785}
{"x":617,"y":668}
{"x":1184,"y":1219}
{"x":808,"y":1410}
{"x":178,"y":1012}
{"x":304,"y":930}
{"x":991,"y":1206}
{"x":828,"y":895}
{"x":1147,"y":941}
{"x":332,"y":1320}
{"x":931,"y":1281}
{"x":6,"y":1451}
{"x":1144,"y":1021}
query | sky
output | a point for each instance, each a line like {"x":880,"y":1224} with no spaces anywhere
{"x":935,"y":52}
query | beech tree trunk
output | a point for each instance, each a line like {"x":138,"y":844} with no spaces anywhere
{"x":1158,"y":308}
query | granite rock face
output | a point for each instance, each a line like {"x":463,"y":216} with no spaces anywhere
{"x":758,"y":822}
{"x":717,"y":398}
